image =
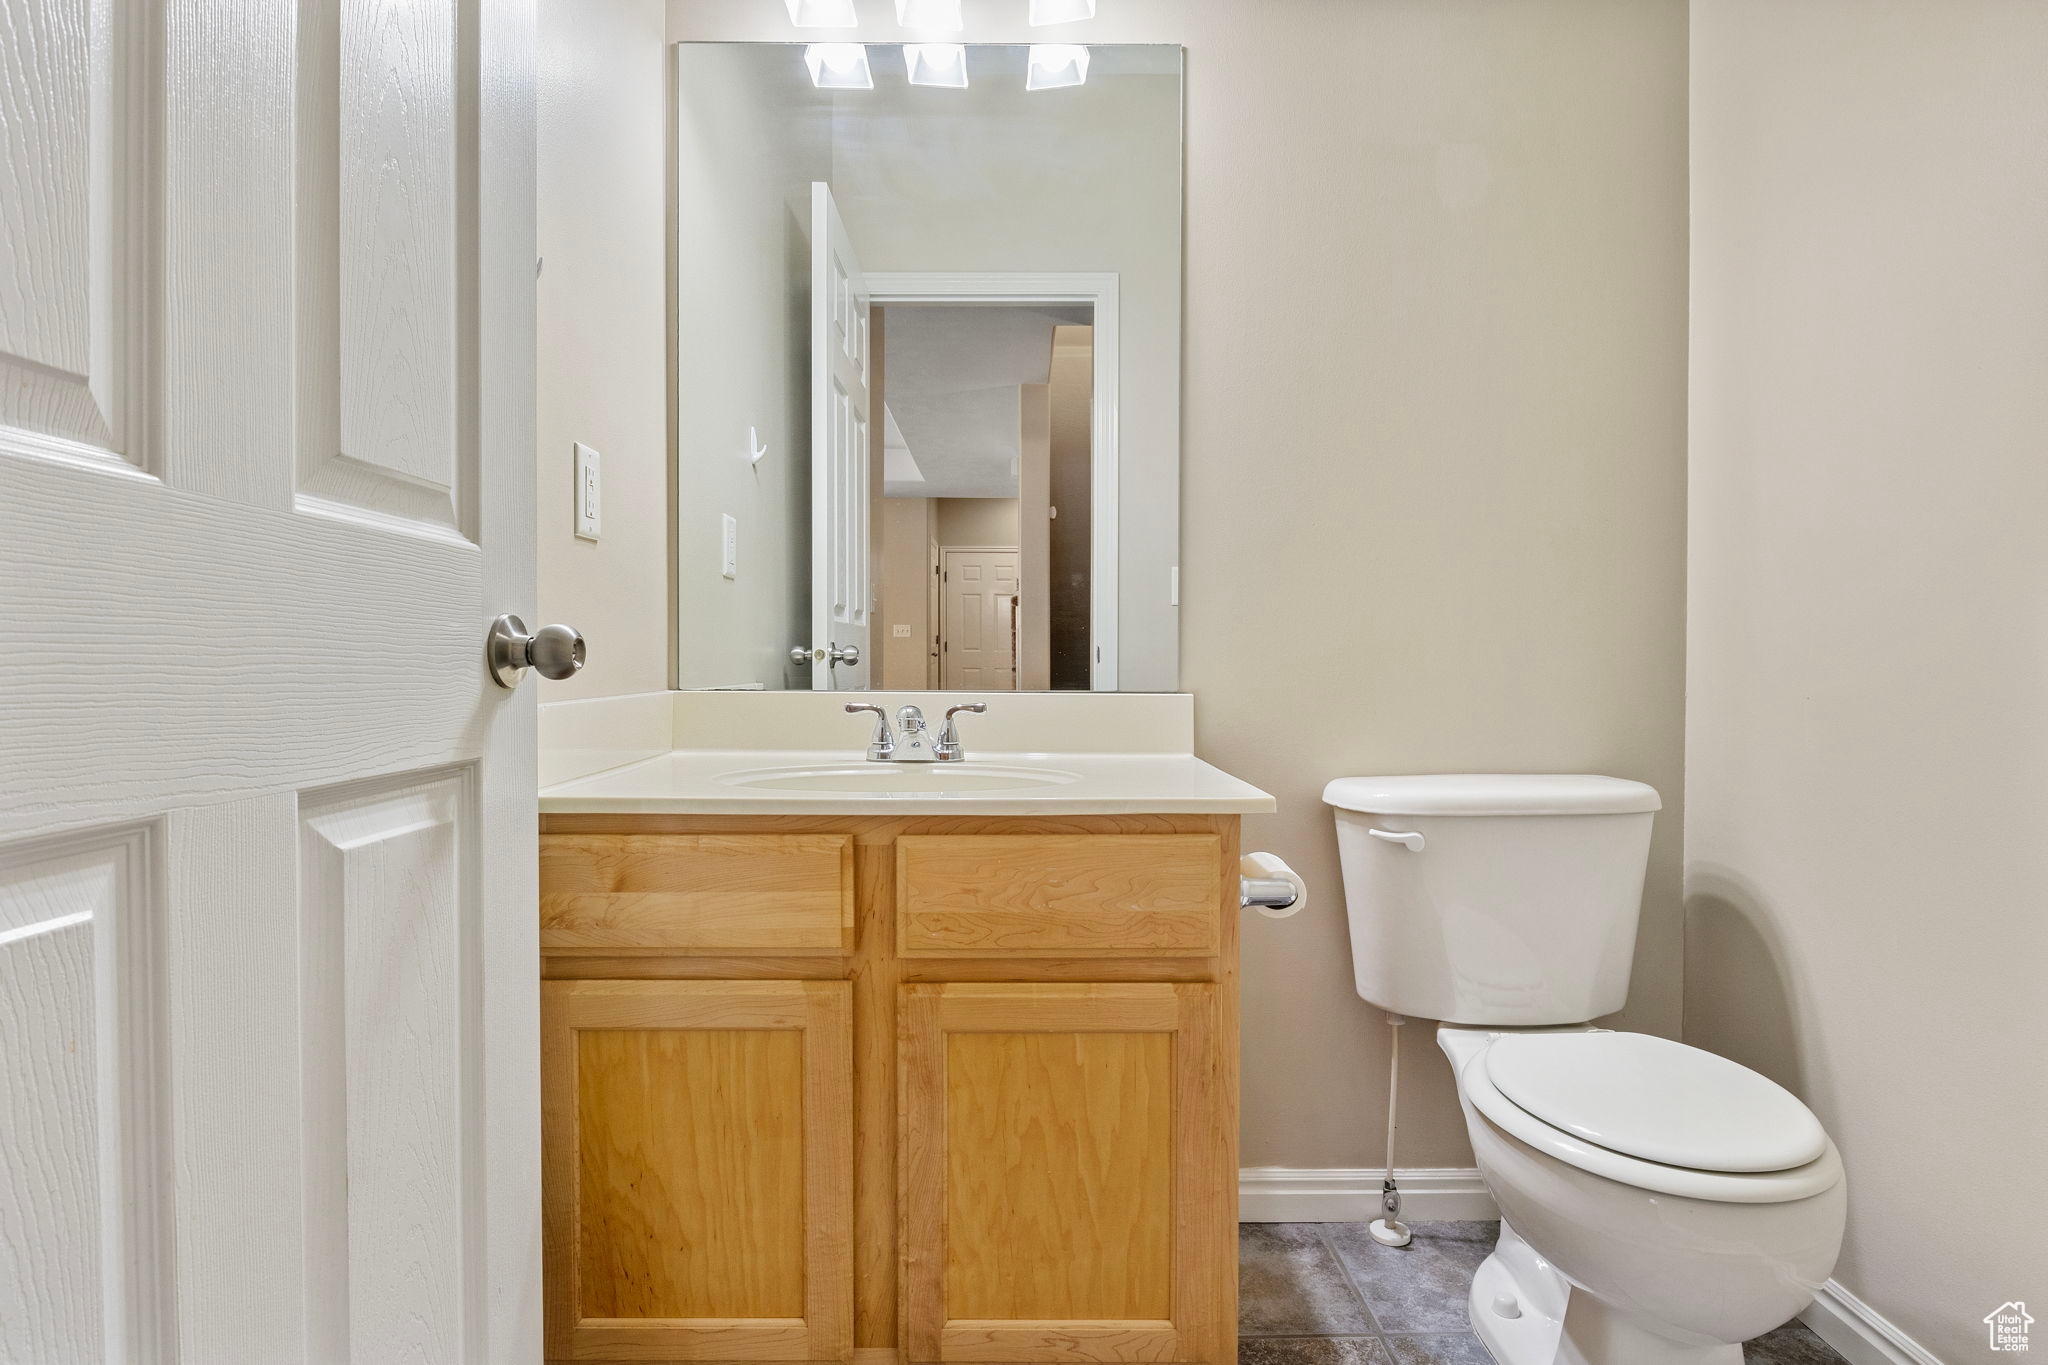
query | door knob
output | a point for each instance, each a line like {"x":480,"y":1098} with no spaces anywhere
{"x":555,"y":652}
{"x":838,"y":654}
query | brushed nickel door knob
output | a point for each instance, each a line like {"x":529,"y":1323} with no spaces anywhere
{"x":555,"y":652}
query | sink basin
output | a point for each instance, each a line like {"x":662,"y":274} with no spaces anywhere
{"x":900,"y":779}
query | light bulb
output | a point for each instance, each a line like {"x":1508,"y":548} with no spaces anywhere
{"x":936,"y":64}
{"x":1056,"y":66}
{"x":1045,"y":12}
{"x":941,"y":15}
{"x":839,"y":66}
{"x":822,"y":13}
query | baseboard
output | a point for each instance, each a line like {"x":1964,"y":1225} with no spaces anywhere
{"x":1859,"y":1334}
{"x":1287,"y":1194}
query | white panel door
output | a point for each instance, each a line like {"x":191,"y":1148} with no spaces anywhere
{"x":268,"y":1000}
{"x":978,"y":615}
{"x":840,"y":591}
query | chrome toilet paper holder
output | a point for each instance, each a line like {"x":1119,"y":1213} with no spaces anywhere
{"x":1269,"y":886}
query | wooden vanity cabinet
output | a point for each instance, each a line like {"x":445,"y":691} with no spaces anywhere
{"x":951,"y":1089}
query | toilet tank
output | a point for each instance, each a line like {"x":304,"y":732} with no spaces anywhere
{"x":1493,"y":899}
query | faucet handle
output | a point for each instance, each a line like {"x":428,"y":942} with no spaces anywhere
{"x":949,"y":738}
{"x":884,"y":742}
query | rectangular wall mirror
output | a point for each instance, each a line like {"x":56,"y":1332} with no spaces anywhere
{"x":927,"y":313}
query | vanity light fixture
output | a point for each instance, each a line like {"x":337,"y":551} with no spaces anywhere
{"x":822,"y":13}
{"x":1056,"y":66}
{"x":1045,"y":12}
{"x":839,"y":66}
{"x":936,"y":64}
{"x":939,"y":15}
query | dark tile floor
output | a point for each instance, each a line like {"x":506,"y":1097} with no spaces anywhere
{"x":1328,"y":1294}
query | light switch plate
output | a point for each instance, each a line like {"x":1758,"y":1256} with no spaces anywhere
{"x":729,"y":547}
{"x":589,"y":493}
{"x":901,"y":632}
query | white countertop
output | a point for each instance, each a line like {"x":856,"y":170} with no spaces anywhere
{"x":687,"y":782}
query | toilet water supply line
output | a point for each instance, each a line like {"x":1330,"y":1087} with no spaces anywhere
{"x":1388,"y":1229}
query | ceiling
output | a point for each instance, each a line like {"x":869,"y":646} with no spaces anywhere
{"x":951,"y":375}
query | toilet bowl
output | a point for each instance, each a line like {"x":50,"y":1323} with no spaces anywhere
{"x":1608,"y":1257}
{"x":1659,"y":1204}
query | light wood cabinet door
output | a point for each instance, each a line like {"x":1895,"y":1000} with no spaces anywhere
{"x":1068,"y":1169}
{"x":698,"y":1149}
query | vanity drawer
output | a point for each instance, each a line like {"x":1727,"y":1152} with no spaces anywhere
{"x":696,"y":893}
{"x":1058,"y":895}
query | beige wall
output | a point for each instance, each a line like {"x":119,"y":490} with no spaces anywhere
{"x":977,"y":521}
{"x":603,"y":334}
{"x":1034,"y":551}
{"x":1868,"y":727}
{"x":1433,"y":448}
{"x":907,"y":528}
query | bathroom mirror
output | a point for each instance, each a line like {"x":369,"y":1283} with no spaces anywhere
{"x":927,"y":351}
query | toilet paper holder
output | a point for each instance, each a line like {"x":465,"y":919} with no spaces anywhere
{"x":1269,"y":885}
{"x":1266,"y":893}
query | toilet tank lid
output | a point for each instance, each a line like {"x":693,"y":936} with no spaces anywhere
{"x":1492,"y":794}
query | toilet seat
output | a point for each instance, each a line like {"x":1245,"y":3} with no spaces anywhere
{"x":1660,"y":1100}
{"x":1802,"y":1181}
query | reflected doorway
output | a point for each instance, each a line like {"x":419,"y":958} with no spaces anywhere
{"x":985,"y":530}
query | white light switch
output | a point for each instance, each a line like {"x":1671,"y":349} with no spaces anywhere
{"x":900,"y":632}
{"x":587,"y":492}
{"x":729,"y":552}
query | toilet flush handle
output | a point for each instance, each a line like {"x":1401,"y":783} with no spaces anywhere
{"x":1410,"y":841}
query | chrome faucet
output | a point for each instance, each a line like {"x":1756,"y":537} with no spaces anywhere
{"x":949,"y":750}
{"x":911,"y":740}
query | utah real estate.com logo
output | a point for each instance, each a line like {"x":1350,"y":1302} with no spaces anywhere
{"x":2007,"y":1325}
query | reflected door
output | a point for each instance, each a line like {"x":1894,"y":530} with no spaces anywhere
{"x":840,"y":591}
{"x":978,"y":612}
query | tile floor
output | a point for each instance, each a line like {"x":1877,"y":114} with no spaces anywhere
{"x":1328,"y":1294}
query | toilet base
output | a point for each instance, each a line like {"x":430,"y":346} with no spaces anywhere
{"x":1525,"y":1313}
{"x":1518,"y":1302}
{"x":1594,"y":1334}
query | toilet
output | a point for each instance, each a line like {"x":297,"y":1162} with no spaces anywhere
{"x":1659,"y":1204}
